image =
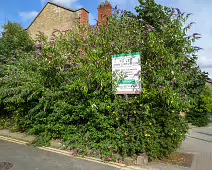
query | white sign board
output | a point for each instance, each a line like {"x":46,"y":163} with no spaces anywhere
{"x":126,"y":69}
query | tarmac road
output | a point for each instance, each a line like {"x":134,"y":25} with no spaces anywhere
{"x":21,"y":157}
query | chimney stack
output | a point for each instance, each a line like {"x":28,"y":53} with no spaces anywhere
{"x":104,"y":11}
{"x":84,"y":17}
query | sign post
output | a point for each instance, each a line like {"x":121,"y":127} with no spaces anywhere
{"x":127,"y":69}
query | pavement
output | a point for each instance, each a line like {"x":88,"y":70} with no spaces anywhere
{"x":199,"y":143}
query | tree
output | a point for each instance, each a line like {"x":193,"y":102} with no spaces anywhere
{"x":168,"y":23}
{"x":207,"y":98}
{"x":14,"y":41}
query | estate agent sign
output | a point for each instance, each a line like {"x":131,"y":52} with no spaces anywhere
{"x":127,"y":69}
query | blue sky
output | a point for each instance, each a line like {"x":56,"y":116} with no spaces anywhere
{"x":24,"y":11}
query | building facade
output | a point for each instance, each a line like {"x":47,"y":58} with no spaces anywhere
{"x":55,"y":17}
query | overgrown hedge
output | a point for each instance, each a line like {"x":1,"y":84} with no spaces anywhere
{"x":65,"y":89}
{"x":201,"y":113}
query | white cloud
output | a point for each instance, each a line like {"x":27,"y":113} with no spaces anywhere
{"x":205,"y":62}
{"x":28,"y":15}
{"x":74,"y":4}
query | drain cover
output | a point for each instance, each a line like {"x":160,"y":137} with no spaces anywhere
{"x":5,"y":165}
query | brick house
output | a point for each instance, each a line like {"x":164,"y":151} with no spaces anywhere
{"x":56,"y":17}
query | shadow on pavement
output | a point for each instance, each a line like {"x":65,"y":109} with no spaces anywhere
{"x":200,"y":139}
{"x":208,"y":134}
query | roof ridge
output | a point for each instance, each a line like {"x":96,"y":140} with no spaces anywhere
{"x":54,"y":5}
{"x":69,"y":9}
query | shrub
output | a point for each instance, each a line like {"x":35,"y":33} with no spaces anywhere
{"x":207,"y":98}
{"x":65,"y":89}
{"x":199,"y":115}
{"x":14,"y":41}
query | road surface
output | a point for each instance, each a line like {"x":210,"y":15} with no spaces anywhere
{"x":21,"y":157}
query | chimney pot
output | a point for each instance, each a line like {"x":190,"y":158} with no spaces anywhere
{"x":104,"y":11}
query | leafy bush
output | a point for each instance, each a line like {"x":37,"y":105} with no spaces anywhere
{"x":207,"y":98}
{"x":14,"y":41}
{"x":199,"y":115}
{"x":5,"y":123}
{"x":65,"y":89}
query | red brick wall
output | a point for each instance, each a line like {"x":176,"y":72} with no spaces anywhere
{"x":103,"y":13}
{"x":84,"y":17}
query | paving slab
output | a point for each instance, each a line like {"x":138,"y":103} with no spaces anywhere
{"x":199,"y":143}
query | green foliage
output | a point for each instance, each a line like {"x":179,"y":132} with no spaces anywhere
{"x":199,"y":114}
{"x":65,"y":89}
{"x":42,"y":140}
{"x":5,"y":123}
{"x":15,"y":40}
{"x":179,"y":46}
{"x":207,"y":98}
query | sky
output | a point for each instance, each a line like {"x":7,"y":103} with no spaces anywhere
{"x":24,"y":11}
